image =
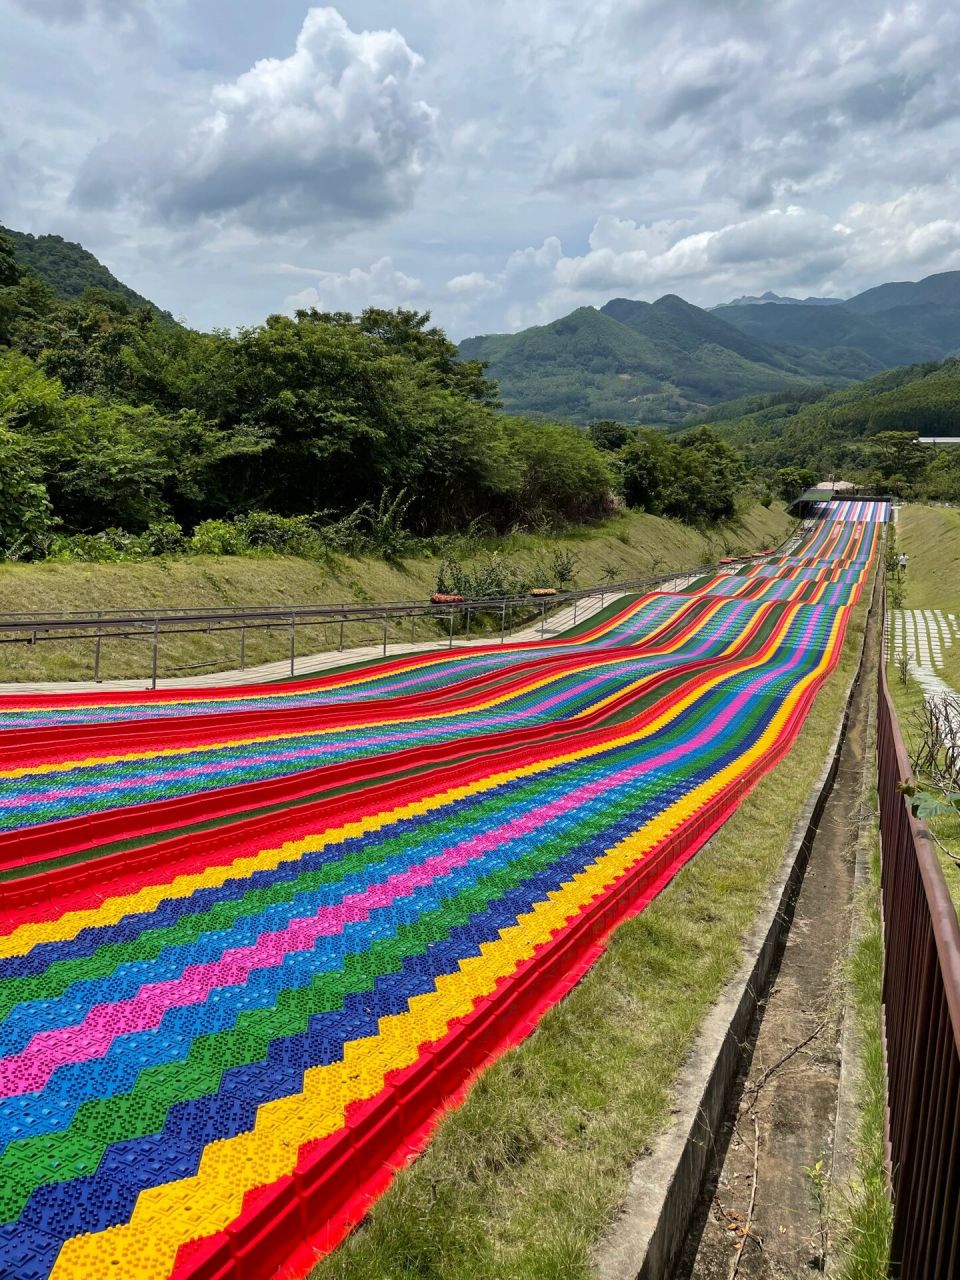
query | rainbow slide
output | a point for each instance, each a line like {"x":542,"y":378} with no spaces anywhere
{"x":255,"y":941}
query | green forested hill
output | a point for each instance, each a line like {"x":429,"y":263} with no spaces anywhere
{"x":635,"y":362}
{"x":940,"y":290}
{"x":665,"y":361}
{"x":865,"y":431}
{"x":69,"y":269}
{"x":893,"y":324}
{"x":869,"y":348}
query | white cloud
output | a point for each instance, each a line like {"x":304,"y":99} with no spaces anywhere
{"x":635,"y":146}
{"x":919,"y":229}
{"x":473,"y":284}
{"x":333,"y":132}
{"x":379,"y":285}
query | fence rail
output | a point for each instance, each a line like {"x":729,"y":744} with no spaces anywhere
{"x":921,"y":1010}
{"x":153,"y":625}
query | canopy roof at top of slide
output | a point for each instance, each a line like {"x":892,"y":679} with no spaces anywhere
{"x":216,"y":1046}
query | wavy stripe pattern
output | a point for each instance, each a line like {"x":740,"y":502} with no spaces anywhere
{"x":213,"y":1050}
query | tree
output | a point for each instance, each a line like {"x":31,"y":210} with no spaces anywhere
{"x":609,"y":435}
{"x":897,"y":453}
{"x":26,"y":517}
{"x":9,"y":279}
{"x":645,"y":471}
{"x":790,"y":482}
{"x":563,"y":477}
{"x":407,"y":332}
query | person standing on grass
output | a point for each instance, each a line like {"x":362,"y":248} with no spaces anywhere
{"x":902,"y":561}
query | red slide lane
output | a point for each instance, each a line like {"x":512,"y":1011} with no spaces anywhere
{"x":72,"y":835}
{"x":382,"y":1135}
{"x":121,"y":697}
{"x":21,"y":748}
{"x":511,"y":750}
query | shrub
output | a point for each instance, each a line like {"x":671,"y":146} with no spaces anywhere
{"x":285,"y":535}
{"x":163,"y":538}
{"x":491,"y":578}
{"x":217,"y":538}
{"x":387,"y":532}
{"x":563,"y":566}
{"x":97,"y":548}
{"x":345,"y":535}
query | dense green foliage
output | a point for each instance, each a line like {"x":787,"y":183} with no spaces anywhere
{"x":694,"y":478}
{"x":68,"y":268}
{"x":122,"y":435}
{"x":865,"y":433}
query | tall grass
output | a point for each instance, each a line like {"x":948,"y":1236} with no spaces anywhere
{"x":864,"y":1214}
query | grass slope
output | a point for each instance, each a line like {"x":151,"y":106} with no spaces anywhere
{"x":864,"y":1225}
{"x":524,"y":1179}
{"x":931,"y":538}
{"x":632,"y":545}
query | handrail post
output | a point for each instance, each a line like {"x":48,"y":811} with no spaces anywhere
{"x":243,"y":647}
{"x":340,"y":644}
{"x":156,"y":645}
{"x":503,"y":620}
{"x":384,"y":635}
{"x":293,"y":641}
{"x":451,"y":627}
{"x":96,"y":653}
{"x":543,"y":619}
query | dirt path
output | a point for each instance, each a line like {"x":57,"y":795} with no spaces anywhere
{"x":764,"y":1218}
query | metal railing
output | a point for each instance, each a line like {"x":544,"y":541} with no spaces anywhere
{"x":35,"y":627}
{"x":921,"y":1011}
{"x":450,"y":621}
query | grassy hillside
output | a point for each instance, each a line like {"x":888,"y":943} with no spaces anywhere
{"x":69,"y":269}
{"x":630,"y":546}
{"x":634,"y":362}
{"x":931,"y":538}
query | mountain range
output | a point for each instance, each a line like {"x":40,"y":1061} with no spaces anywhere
{"x":655,"y":362}
{"x":780,"y":300}
{"x":664,"y":361}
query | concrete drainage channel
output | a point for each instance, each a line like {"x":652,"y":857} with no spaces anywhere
{"x":739,"y":1158}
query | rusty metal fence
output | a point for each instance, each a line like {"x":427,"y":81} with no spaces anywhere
{"x":921,"y":1009}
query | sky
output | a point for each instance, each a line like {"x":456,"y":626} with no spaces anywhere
{"x":497,"y":163}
